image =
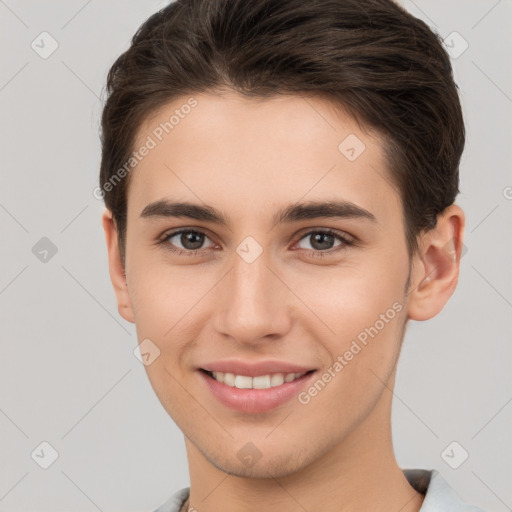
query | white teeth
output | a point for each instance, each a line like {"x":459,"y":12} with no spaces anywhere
{"x":229,"y":379}
{"x":259,"y":382}
{"x":242,"y":382}
{"x":276,"y":380}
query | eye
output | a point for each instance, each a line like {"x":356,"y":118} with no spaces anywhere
{"x":321,"y":242}
{"x":190,"y":240}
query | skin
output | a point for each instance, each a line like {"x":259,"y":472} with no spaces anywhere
{"x":249,"y":158}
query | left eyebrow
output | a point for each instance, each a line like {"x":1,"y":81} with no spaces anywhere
{"x":318,"y":209}
{"x":292,"y":213}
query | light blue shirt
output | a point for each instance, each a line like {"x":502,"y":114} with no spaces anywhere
{"x":439,"y":496}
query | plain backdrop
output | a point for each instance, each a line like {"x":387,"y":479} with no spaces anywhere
{"x":68,"y":374}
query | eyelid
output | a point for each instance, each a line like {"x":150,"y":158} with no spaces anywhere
{"x":344,"y":237}
{"x":346,"y":240}
{"x":164,"y":238}
{"x":301,"y":234}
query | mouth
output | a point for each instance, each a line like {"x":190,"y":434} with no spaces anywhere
{"x":257,"y":393}
{"x":267,"y":381}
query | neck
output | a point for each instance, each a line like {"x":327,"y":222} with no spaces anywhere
{"x":358,"y":474}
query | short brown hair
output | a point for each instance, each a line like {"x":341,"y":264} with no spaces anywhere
{"x":385,"y":67}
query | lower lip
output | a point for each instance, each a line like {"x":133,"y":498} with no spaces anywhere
{"x":255,"y":400}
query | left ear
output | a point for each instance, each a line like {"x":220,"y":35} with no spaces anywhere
{"x":436,"y":265}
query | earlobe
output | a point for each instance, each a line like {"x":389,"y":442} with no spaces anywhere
{"x":116,"y":268}
{"x":436,"y":266}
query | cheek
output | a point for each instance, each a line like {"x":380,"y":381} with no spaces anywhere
{"x":352,"y":297}
{"x":362,"y":355}
{"x":160,"y":294}
{"x":162,"y":302}
{"x":169,"y":304}
{"x":364,"y":314}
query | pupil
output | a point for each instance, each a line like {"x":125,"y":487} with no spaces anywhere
{"x":318,"y":237}
{"x":188,"y":239}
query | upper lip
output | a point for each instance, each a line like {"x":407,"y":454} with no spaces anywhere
{"x":253,"y":369}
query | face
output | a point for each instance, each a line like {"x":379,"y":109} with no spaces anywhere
{"x":279,"y":287}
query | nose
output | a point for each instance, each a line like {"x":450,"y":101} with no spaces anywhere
{"x":252,"y":302}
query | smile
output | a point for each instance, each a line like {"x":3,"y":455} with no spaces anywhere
{"x":254,"y":394}
{"x":259,"y":382}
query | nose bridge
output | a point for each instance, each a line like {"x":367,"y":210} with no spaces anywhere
{"x":252,"y":305}
{"x":250,"y":277}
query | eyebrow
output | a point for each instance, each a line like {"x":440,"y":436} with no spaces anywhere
{"x":292,"y":213}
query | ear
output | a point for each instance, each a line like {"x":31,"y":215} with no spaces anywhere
{"x":436,"y":265}
{"x":116,"y":268}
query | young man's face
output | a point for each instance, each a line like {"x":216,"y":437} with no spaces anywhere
{"x":257,"y":291}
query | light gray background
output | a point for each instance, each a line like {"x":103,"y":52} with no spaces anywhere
{"x":68,"y":375}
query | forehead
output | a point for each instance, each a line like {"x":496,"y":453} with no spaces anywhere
{"x":259,"y":153}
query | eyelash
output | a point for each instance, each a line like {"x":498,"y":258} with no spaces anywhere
{"x":315,"y":253}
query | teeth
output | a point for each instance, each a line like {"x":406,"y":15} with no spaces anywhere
{"x":218,"y":376}
{"x":242,"y":382}
{"x":229,"y":379}
{"x":259,"y":382}
{"x":289,"y":377}
{"x":276,"y":380}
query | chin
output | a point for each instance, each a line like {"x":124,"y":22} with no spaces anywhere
{"x":277,"y":466}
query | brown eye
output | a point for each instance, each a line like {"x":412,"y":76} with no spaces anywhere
{"x":323,"y":242}
{"x":190,"y":240}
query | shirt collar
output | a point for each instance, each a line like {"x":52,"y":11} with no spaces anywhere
{"x":439,"y":496}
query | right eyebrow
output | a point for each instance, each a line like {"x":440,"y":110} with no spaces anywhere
{"x":165,"y":208}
